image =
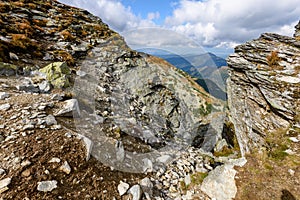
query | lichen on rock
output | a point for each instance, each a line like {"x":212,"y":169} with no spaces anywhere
{"x":57,"y":74}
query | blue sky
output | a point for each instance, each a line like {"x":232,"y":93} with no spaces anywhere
{"x":142,"y":8}
{"x":215,"y":25}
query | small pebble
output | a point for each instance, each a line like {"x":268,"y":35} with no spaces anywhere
{"x":65,"y":168}
{"x":47,"y":186}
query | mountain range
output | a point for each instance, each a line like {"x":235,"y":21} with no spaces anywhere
{"x":208,"y":70}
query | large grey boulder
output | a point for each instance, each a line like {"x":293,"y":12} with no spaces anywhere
{"x":220,"y":183}
{"x":142,"y":97}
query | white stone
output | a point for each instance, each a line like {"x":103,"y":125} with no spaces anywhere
{"x":44,"y":86}
{"x":68,"y":135}
{"x":5,"y":182}
{"x":146,"y":185}
{"x":290,"y":152}
{"x":25,"y":163}
{"x":57,"y":97}
{"x":136,"y":192}
{"x":80,"y":73}
{"x":13,"y":56}
{"x":294,"y":139}
{"x":28,"y":127}
{"x":289,"y":79}
{"x":122,"y":188}
{"x":70,"y":109}
{"x":3,"y":95}
{"x":220,"y":183}
{"x":88,"y":145}
{"x":291,"y":172}
{"x":54,"y":160}
{"x":50,"y":120}
{"x":46,"y":186}
{"x":56,"y":127}
{"x":65,"y":168}
{"x":5,"y":106}
{"x":187,"y":180}
{"x":2,"y":171}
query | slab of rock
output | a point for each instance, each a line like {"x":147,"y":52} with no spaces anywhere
{"x":4,"y":183}
{"x":220,"y":183}
{"x":146,"y":185}
{"x":47,"y":186}
{"x":122,"y":188}
{"x":27,"y":85}
{"x":137,"y":89}
{"x":70,"y":109}
{"x":136,"y":192}
{"x":88,"y":145}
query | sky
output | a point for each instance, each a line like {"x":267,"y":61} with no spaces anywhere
{"x":214,"y":25}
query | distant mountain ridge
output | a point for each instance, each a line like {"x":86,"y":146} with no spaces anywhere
{"x":209,"y":70}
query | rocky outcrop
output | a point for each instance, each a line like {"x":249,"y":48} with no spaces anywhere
{"x":129,"y":102}
{"x":264,"y":88}
{"x":144,"y":98}
{"x":34,"y":34}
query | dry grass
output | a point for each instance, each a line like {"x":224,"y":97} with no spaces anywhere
{"x":22,"y":41}
{"x":40,"y":22}
{"x":17,"y":3}
{"x":196,"y":179}
{"x":64,"y":56}
{"x":67,"y":35}
{"x":266,"y":174}
{"x":273,"y":61}
{"x":31,"y":5}
{"x":24,"y":27}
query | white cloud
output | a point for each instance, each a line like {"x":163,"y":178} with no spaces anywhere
{"x":162,"y":39}
{"x":114,"y":13}
{"x":229,"y":22}
{"x":153,"y":15}
{"x":210,"y":23}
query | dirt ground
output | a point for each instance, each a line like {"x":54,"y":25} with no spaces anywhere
{"x":25,"y":158}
